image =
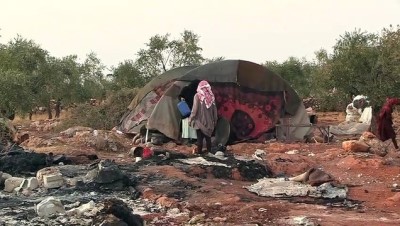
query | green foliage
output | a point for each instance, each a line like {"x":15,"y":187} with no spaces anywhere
{"x":214,"y":59}
{"x":31,"y":77}
{"x":296,"y":72}
{"x":127,"y":75}
{"x":360,"y":63}
{"x":353,"y":61}
{"x":13,"y":93}
{"x":163,"y":54}
{"x":365,"y":63}
{"x":104,"y":116}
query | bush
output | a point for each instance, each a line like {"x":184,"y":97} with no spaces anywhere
{"x":335,"y":102}
{"x":104,"y":116}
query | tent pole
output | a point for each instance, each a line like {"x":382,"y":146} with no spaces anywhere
{"x":147,"y":136}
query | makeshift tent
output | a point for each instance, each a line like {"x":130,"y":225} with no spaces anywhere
{"x":141,"y":107}
{"x":251,"y":97}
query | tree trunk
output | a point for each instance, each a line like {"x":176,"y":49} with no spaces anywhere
{"x":49,"y":111}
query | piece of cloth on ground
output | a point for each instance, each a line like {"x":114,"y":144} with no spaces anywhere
{"x":313,"y":177}
{"x":349,"y":128}
{"x":279,"y":187}
{"x":201,"y":161}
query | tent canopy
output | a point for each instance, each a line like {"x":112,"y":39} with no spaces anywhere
{"x":142,"y":105}
{"x":251,"y":97}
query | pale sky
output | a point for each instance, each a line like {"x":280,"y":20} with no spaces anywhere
{"x":254,"y":30}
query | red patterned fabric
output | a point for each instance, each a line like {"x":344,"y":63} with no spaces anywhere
{"x":250,"y":112}
{"x":385,"y":121}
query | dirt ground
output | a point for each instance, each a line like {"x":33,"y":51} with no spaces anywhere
{"x":370,"y":179}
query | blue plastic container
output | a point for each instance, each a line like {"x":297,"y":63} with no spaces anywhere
{"x":184,"y":108}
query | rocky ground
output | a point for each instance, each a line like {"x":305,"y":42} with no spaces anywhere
{"x":170,"y":191}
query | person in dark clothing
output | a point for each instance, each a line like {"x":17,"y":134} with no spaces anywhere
{"x":58,"y":108}
{"x":204,"y":115}
{"x":385,"y":130}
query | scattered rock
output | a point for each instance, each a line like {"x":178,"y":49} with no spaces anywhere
{"x":259,"y":154}
{"x":12,"y":183}
{"x":302,"y":220}
{"x":355,"y":146}
{"x":292,"y":152}
{"x":53,"y":180}
{"x":167,"y":202}
{"x":173,"y":211}
{"x":314,"y":177}
{"x":219,"y":219}
{"x":46,"y":171}
{"x":197,"y":219}
{"x":72,"y":131}
{"x":49,"y":206}
{"x":3,"y":178}
{"x":28,"y":184}
{"x":108,"y":172}
{"x":376,"y":146}
{"x":82,"y":209}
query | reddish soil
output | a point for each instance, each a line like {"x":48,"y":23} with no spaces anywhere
{"x":369,"y":178}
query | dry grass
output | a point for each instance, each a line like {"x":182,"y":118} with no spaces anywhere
{"x":20,"y":120}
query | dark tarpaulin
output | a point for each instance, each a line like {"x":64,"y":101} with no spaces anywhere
{"x":248,"y":95}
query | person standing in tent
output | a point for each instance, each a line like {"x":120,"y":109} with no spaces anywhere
{"x":204,"y":115}
{"x":385,"y":130}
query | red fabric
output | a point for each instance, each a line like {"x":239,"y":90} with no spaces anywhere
{"x":147,"y":153}
{"x":205,"y":93}
{"x":250,"y":112}
{"x":385,"y":122}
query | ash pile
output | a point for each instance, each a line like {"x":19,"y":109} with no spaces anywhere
{"x":72,"y":195}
